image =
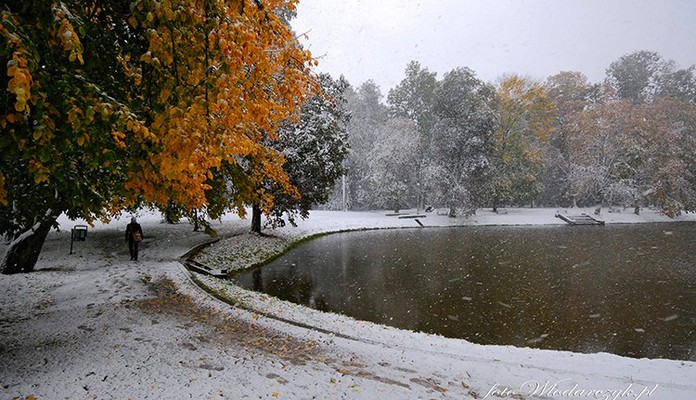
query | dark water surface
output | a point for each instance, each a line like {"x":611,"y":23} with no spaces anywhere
{"x":622,"y":289}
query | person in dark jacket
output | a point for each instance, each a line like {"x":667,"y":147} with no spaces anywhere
{"x":134,"y":235}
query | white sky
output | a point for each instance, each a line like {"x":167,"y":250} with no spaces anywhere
{"x":375,"y":39}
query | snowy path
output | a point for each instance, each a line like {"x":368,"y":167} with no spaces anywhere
{"x":93,"y":325}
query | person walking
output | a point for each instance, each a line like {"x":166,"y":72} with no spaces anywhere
{"x":134,"y":235}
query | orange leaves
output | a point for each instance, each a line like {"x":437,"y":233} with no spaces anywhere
{"x":133,"y":21}
{"x":66,"y":35}
{"x":39,"y":171}
{"x":104,"y":111}
{"x":164,"y":96}
{"x":205,"y":85}
{"x":20,"y":84}
{"x":10,"y":118}
{"x":82,"y":139}
{"x":124,"y":60}
{"x":118,"y":137}
{"x":75,"y":117}
{"x":21,"y":80}
{"x":146,"y":57}
{"x":164,"y":10}
{"x":222,"y":83}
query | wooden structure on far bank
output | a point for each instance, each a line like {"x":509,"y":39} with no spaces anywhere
{"x":582,"y":219}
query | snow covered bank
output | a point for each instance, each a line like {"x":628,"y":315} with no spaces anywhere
{"x":519,"y":366}
{"x":94,"y":325}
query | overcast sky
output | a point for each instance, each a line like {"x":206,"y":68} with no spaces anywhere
{"x":375,"y":39}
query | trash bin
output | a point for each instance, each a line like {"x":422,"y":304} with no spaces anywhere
{"x":79,"y":233}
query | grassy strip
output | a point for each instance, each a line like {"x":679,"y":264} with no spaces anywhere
{"x":284,"y":251}
{"x":218,"y":294}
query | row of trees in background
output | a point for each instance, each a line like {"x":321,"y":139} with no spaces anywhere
{"x":460,"y":143}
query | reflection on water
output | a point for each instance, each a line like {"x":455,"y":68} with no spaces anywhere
{"x":628,"y":290}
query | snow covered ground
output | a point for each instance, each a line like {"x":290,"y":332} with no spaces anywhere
{"x":95,"y":325}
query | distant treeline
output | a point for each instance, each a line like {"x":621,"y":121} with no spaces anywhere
{"x":460,"y":143}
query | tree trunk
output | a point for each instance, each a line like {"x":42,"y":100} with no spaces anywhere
{"x":196,"y":228}
{"x":24,"y":250}
{"x":169,"y":215}
{"x":256,"y":219}
{"x":343,"y":184}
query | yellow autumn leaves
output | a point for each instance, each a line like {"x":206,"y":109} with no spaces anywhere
{"x":20,"y":82}
{"x":21,"y":78}
{"x":70,"y":41}
{"x":226,"y":74}
{"x":161,"y":104}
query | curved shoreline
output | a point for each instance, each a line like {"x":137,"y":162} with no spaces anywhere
{"x":245,"y":292}
{"x":290,"y":239}
{"x":606,"y":369}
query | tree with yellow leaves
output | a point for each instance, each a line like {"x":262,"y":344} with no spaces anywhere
{"x":112,"y":104}
{"x":526,"y":118}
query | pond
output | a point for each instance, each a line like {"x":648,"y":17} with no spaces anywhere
{"x":623,"y":289}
